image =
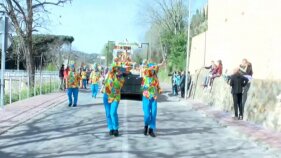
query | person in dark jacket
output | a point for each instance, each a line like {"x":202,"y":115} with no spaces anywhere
{"x":61,"y":75}
{"x":237,"y":82}
{"x":246,"y":69}
{"x":182,"y":83}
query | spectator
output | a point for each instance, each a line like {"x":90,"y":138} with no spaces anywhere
{"x":182,"y":83}
{"x":175,"y":83}
{"x":246,"y":70}
{"x":178,"y":80}
{"x":212,"y":69}
{"x":237,"y":82}
{"x":188,"y":77}
{"x":61,"y":75}
{"x":217,"y":72}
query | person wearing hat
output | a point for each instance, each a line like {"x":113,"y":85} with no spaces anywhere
{"x":150,"y":87}
{"x":94,"y":80}
{"x":84,"y":78}
{"x":72,"y":85}
{"x":112,"y":94}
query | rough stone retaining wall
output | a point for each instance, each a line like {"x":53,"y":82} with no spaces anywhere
{"x":261,"y":107}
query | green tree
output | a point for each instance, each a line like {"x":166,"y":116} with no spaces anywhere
{"x":167,"y":34}
{"x":27,"y":17}
{"x":107,"y":51}
{"x":47,"y":46}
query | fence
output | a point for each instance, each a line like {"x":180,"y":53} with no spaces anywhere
{"x":17,"y":86}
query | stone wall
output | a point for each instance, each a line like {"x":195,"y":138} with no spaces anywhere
{"x":240,"y":29}
{"x":261,"y":106}
{"x":198,"y":52}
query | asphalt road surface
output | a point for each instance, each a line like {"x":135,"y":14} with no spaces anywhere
{"x":82,"y":132}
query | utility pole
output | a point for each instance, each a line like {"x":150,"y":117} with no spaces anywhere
{"x":3,"y":57}
{"x":187,"y":50}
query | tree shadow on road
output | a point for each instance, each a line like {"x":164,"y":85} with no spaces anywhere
{"x":35,"y":131}
{"x":89,"y":105}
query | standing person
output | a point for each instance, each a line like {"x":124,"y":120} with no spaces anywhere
{"x":175,"y":83}
{"x":188,"y":77}
{"x":84,"y":78}
{"x":178,"y":79}
{"x":72,"y":82}
{"x":65,"y":75}
{"x":237,"y":82}
{"x":112,"y":94}
{"x":61,"y":75}
{"x":182,"y":83}
{"x":246,"y":70}
{"x":94,"y":80}
{"x":88,"y":75}
{"x":150,"y":87}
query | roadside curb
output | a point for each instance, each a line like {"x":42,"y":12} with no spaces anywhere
{"x":260,"y":135}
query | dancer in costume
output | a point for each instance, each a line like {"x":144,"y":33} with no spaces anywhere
{"x":113,"y":83}
{"x":84,"y":78}
{"x":150,"y":87}
{"x":94,"y":80}
{"x":112,"y":95}
{"x":72,"y":84}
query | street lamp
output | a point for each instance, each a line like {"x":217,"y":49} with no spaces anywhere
{"x":147,"y":49}
{"x":107,"y":59}
{"x":187,"y":50}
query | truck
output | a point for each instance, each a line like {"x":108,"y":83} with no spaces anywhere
{"x":133,"y":80}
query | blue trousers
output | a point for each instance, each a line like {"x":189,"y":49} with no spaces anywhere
{"x":111,"y":113}
{"x":72,"y":92}
{"x":84,"y":81}
{"x":95,"y":89}
{"x":150,"y":112}
{"x":206,"y":81}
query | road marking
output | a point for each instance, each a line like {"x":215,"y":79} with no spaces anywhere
{"x":125,"y":137}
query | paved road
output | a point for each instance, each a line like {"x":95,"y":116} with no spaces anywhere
{"x":81,"y":132}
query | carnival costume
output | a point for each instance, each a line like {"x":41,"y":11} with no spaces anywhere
{"x":94,"y":79}
{"x":84,"y":78}
{"x":150,"y":87}
{"x":112,"y":95}
{"x":73,"y":80}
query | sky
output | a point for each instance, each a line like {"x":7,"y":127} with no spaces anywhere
{"x":93,"y":23}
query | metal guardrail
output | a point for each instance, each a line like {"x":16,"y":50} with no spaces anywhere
{"x":17,"y":86}
{"x":24,"y":73}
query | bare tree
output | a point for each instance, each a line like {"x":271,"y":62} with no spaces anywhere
{"x":26,"y":18}
{"x":169,"y":14}
{"x":55,"y":53}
